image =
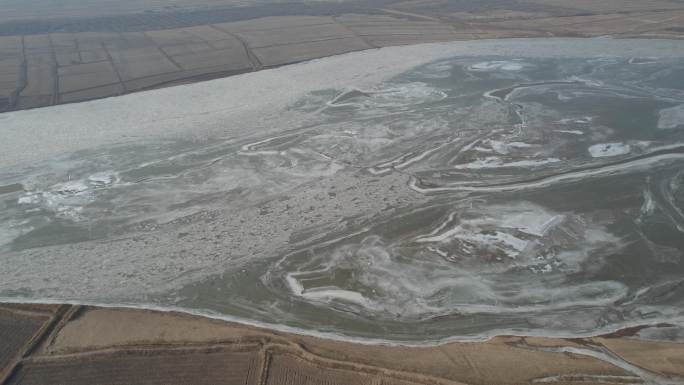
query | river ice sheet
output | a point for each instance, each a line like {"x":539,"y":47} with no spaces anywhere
{"x":422,"y":193}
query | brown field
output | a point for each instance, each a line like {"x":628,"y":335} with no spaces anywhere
{"x":14,"y":331}
{"x":146,"y":366}
{"x":124,"y":346}
{"x":286,"y":369}
{"x":75,"y":53}
{"x":20,"y":326}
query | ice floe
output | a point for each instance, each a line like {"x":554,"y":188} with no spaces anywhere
{"x":672,"y":117}
{"x":609,"y":149}
{"x":67,"y":199}
{"x":495,"y":162}
{"x":500,"y":65}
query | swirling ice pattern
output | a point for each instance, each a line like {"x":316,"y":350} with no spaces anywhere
{"x":536,"y":214}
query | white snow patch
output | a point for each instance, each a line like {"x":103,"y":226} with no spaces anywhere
{"x":67,"y":199}
{"x":588,"y":82}
{"x":573,"y":132}
{"x":505,"y":148}
{"x":609,"y":149}
{"x":582,"y":120}
{"x":673,"y":117}
{"x":499,"y":228}
{"x":338,"y":294}
{"x":499,"y":65}
{"x":494,"y":162}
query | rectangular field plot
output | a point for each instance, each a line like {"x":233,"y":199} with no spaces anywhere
{"x":141,"y":62}
{"x":289,"y":370}
{"x":230,"y":59}
{"x":298,"y":34}
{"x":82,"y":76}
{"x":292,"y":53}
{"x":144,"y":368}
{"x":15,"y":332}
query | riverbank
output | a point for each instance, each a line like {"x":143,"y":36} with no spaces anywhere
{"x":56,"y":344}
{"x":80,"y":52}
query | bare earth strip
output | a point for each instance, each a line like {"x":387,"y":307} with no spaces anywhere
{"x":113,"y":346}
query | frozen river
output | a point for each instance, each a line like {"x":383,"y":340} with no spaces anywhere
{"x":410,"y":194}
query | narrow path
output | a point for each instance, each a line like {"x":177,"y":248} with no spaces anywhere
{"x":54,"y":66}
{"x":253,"y":59}
{"x":22,"y":81}
{"x":114,"y":67}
